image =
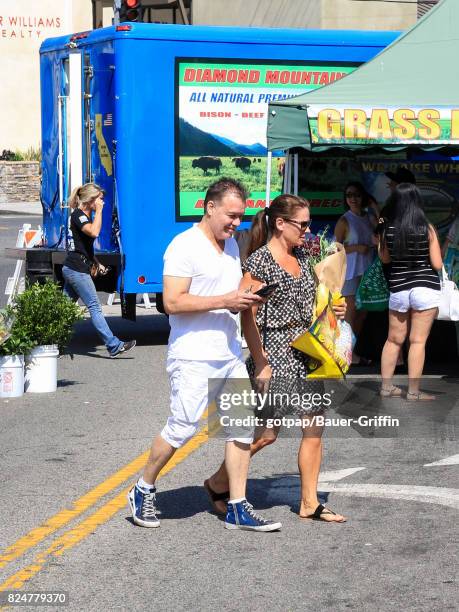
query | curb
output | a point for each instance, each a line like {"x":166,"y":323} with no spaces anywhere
{"x":21,"y":208}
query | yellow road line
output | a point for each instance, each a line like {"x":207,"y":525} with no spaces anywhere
{"x":73,"y":536}
{"x":65,"y":516}
{"x":59,"y":520}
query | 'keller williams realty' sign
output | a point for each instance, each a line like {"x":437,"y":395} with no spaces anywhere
{"x":15,"y":27}
{"x":409,"y":125}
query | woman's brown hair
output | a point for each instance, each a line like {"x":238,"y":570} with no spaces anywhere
{"x":264,"y":223}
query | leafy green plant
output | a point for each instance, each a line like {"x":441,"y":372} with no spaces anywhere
{"x":30,"y":154}
{"x":17,"y":341}
{"x":17,"y":344}
{"x":8,"y":155}
{"x":45,"y":315}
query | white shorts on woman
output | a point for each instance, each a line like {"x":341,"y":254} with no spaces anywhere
{"x":418,"y":298}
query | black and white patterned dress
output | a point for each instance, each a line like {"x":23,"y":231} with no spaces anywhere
{"x":290,"y":310}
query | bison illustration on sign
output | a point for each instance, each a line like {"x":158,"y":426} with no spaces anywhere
{"x":207,"y":163}
{"x":243,"y":163}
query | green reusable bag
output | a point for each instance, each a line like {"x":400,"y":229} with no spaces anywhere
{"x":373,"y":293}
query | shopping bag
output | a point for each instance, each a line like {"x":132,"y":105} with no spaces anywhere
{"x":329,"y":343}
{"x":344,"y":344}
{"x":372,"y":292}
{"x":448,"y":309}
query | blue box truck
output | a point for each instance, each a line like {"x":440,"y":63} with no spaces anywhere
{"x":154,"y":113}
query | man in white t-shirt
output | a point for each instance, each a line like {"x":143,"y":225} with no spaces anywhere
{"x":200,"y":291}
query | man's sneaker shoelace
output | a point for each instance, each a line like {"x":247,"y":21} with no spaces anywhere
{"x":251,"y":512}
{"x":149,"y":509}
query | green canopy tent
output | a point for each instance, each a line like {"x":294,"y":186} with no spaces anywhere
{"x":407,"y":96}
{"x":415,"y":73}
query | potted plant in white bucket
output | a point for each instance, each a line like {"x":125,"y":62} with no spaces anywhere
{"x":47,"y":316}
{"x":13,"y":344}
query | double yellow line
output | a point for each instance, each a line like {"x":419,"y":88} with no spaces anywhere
{"x":73,"y":536}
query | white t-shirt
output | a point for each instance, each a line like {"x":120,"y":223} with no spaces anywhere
{"x":204,"y":336}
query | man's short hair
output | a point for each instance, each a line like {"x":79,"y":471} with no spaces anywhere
{"x":222,"y":187}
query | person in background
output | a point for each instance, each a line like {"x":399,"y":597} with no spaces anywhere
{"x":355,"y":229}
{"x":276,"y":255}
{"x":85,"y":201}
{"x":410,"y":244}
{"x":401,"y":175}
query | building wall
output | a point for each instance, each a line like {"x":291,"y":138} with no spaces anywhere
{"x":326,"y":14}
{"x":19,"y":181}
{"x":267,"y":13}
{"x":23,"y":27}
{"x":367,"y":15}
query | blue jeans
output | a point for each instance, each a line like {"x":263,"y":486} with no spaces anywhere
{"x":80,"y":285}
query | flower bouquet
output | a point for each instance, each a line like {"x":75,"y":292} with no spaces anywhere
{"x":328,"y":261}
{"x":328,"y":341}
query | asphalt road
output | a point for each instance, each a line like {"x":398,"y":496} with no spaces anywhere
{"x":397,"y":549}
{"x":66,"y":459}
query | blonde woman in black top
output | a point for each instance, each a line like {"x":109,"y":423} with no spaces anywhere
{"x":410,"y":244}
{"x":87,"y":203}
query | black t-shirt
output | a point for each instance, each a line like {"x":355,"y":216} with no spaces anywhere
{"x":81,"y":258}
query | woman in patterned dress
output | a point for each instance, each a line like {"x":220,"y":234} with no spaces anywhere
{"x":277,"y":255}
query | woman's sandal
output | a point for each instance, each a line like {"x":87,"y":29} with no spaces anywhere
{"x":318,"y":514}
{"x":217,"y":497}
{"x":419,"y":397}
{"x":392,"y":392}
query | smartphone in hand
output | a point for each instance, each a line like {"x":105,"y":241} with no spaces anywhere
{"x":267,"y":290}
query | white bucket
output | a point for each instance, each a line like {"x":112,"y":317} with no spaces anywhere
{"x":41,"y":369}
{"x":12,"y":376}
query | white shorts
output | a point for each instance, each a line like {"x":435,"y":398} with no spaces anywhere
{"x":193,"y":390}
{"x":419,"y":298}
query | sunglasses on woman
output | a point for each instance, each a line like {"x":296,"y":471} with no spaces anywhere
{"x":302,"y":225}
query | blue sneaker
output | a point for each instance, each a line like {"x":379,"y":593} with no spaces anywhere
{"x":242,"y":516}
{"x":143,"y":507}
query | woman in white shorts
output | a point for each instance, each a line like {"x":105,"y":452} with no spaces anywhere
{"x":410,"y":244}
